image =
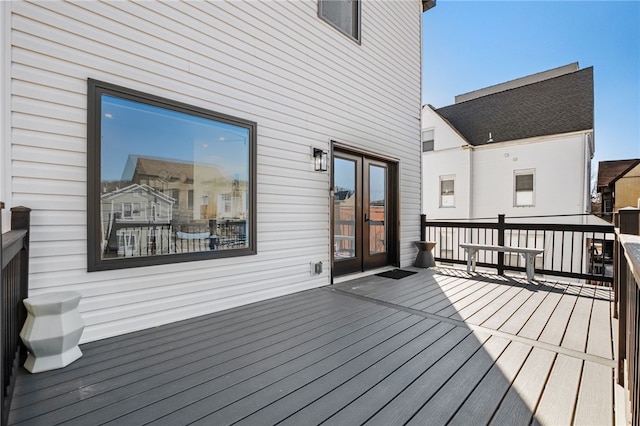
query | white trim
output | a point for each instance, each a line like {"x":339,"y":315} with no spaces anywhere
{"x":527,"y":141}
{"x":5,"y":110}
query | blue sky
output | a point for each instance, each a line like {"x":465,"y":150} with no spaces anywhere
{"x":468,"y":45}
{"x":134,"y":128}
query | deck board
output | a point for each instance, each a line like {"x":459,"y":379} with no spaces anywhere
{"x":596,"y":394}
{"x":435,"y":347}
{"x":600,"y":339}
{"x":229,"y":406}
{"x":406,"y":403}
{"x":577,"y":330}
{"x":444,"y":404}
{"x":415,"y":355}
{"x":193,"y":384}
{"x":481,"y":404}
{"x":373,"y":400}
{"x":559,"y":399}
{"x":505,"y":312}
{"x":189,"y":350}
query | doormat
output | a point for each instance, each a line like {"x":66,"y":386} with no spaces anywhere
{"x":396,"y":274}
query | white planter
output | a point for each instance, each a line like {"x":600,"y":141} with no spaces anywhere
{"x":52,"y":331}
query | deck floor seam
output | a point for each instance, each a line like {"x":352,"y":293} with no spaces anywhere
{"x":531,"y":342}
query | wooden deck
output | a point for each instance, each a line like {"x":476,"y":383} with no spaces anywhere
{"x":437,"y":347}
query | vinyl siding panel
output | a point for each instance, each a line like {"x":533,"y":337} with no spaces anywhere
{"x":275,"y":63}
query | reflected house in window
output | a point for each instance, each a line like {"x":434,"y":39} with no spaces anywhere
{"x":219,"y":214}
{"x":218,"y":196}
{"x":135,"y":220}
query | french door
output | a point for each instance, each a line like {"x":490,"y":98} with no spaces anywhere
{"x":364,"y":213}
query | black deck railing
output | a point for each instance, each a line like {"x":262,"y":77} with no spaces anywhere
{"x":627,"y":289}
{"x":14,"y":253}
{"x":577,"y":251}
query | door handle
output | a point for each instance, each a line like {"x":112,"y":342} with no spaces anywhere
{"x":366,"y":217}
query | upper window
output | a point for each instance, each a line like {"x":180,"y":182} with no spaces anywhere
{"x":342,"y":14}
{"x":167,"y":182}
{"x":447,"y":193}
{"x":524,"y":188}
{"x":427,"y":140}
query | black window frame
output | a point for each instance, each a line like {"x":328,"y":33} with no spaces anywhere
{"x":95,"y":90}
{"x":356,"y":17}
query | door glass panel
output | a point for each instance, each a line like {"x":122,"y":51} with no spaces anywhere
{"x":344,"y":202}
{"x":377,"y":209}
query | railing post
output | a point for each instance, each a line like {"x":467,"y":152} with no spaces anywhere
{"x":628,"y":222}
{"x":423,"y":227}
{"x":3,"y":414}
{"x":21,"y":220}
{"x":500,"y":229}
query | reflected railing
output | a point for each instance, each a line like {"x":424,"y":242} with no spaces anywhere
{"x":150,"y":239}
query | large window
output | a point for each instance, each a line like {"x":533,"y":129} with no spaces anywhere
{"x":524,"y":188}
{"x":342,"y":14}
{"x":167,"y":182}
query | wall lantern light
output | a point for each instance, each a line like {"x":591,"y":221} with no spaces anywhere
{"x":319,"y":160}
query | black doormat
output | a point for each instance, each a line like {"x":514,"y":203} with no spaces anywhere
{"x":396,"y":274}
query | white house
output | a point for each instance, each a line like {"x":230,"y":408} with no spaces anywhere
{"x":259,"y":89}
{"x":521,"y":148}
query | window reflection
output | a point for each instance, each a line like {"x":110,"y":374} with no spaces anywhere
{"x":377,"y":209}
{"x":170,"y":182}
{"x":344,"y":197}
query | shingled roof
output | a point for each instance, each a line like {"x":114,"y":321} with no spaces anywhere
{"x":609,"y":171}
{"x":553,"y":106}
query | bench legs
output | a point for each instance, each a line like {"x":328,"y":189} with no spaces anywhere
{"x":471,"y":259}
{"x":530,"y":263}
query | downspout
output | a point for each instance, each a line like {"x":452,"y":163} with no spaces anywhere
{"x":586,"y":181}
{"x":470,"y":148}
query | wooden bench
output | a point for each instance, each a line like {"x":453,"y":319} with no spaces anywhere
{"x":529,"y":255}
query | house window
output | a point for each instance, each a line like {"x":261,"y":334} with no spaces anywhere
{"x":447,"y":193}
{"x":343,"y":15}
{"x":175,"y":194}
{"x":143,"y":151}
{"x":427,"y":140}
{"x":524,"y":188}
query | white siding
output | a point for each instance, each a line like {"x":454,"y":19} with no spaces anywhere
{"x":448,"y":158}
{"x":559,"y":167}
{"x":272,"y":62}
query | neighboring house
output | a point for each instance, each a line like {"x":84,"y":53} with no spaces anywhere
{"x":521,"y":148}
{"x":255,"y":89}
{"x":136,"y":221}
{"x":618,"y":186}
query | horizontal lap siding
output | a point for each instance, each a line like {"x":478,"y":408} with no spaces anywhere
{"x":275,"y":63}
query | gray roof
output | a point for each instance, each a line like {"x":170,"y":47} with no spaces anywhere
{"x":554,"y":106}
